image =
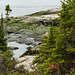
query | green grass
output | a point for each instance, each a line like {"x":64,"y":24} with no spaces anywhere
{"x":22,"y":25}
{"x":43,"y":13}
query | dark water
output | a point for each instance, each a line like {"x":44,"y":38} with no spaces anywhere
{"x":24,"y":7}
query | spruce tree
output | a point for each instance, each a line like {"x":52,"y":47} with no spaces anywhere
{"x":5,"y":54}
{"x":3,"y":44}
{"x":6,"y":63}
{"x":8,"y":11}
{"x":45,"y":52}
{"x":60,"y":51}
{"x":65,"y":41}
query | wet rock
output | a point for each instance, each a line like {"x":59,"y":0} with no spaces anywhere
{"x":31,"y":51}
{"x":13,"y":48}
{"x":28,"y":52}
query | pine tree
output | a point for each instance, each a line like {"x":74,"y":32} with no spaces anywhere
{"x":5,"y":54}
{"x":59,"y":50}
{"x":65,"y":41}
{"x":8,"y":11}
{"x":6,"y":63}
{"x":45,"y":52}
{"x":3,"y":44}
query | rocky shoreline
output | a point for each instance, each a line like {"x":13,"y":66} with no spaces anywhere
{"x":30,"y":30}
{"x":27,"y":62}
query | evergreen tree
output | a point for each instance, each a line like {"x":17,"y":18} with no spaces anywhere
{"x":59,"y":50}
{"x":45,"y":52}
{"x":8,"y":11}
{"x":6,"y":63}
{"x":3,"y":44}
{"x":65,"y":44}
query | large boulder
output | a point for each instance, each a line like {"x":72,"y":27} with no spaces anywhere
{"x":29,"y":41}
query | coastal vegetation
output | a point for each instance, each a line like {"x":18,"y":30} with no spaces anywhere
{"x":5,"y":55}
{"x":44,"y":13}
{"x":56,"y":52}
{"x":57,"y":55}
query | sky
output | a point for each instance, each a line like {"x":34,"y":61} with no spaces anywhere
{"x":23,"y":7}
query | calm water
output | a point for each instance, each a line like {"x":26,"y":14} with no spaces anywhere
{"x":22,"y":48}
{"x":24,"y":7}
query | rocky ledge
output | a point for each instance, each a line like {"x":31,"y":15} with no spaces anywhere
{"x":27,"y":62}
{"x":30,"y":30}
